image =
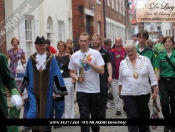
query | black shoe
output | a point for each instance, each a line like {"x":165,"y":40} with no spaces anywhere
{"x":118,"y":113}
{"x":106,"y":107}
{"x":166,"y":129}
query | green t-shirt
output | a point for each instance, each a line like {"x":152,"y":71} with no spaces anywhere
{"x":149,"y":53}
{"x":159,"y":47}
{"x":161,"y":63}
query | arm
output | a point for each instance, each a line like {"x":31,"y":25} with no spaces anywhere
{"x":154,"y":95}
{"x":152,"y":79}
{"x":23,"y":58}
{"x":73,"y":75}
{"x":8,"y":56}
{"x":120,"y":89}
{"x":8,"y":80}
{"x":158,"y":74}
{"x":120,"y":79}
{"x":98,"y":69}
{"x":109,"y":67}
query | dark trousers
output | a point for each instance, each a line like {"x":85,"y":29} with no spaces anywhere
{"x":88,"y":104}
{"x":2,"y":128}
{"x":137,"y":107}
{"x":167,"y":98}
{"x":102,"y":104}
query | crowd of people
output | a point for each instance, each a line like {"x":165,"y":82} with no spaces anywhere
{"x":134,"y":69}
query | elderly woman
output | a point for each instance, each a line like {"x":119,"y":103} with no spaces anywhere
{"x":134,"y":87}
{"x":165,"y":64}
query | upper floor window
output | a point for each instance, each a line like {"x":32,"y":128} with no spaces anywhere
{"x":99,"y":1}
{"x":29,"y":36}
{"x":116,"y":5}
{"x":60,"y":30}
{"x":109,"y":2}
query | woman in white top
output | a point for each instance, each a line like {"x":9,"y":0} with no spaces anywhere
{"x":134,"y":86}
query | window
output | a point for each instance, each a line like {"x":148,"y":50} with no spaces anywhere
{"x":108,"y":2}
{"x":99,"y":1}
{"x":60,"y":30}
{"x":123,"y":7}
{"x":116,"y":4}
{"x":112,"y":1}
{"x":120,"y":6}
{"x":29,"y":36}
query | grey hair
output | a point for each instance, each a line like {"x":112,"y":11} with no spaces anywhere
{"x":129,"y":44}
{"x":107,"y":41}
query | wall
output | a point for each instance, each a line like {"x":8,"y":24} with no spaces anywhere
{"x":2,"y":17}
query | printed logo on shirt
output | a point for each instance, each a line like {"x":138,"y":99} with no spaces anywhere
{"x":163,"y":60}
{"x":88,"y":57}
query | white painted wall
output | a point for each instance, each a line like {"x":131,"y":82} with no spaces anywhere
{"x":166,"y":27}
{"x":57,"y":10}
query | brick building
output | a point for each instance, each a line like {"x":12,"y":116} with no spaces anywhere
{"x":173,"y":30}
{"x":87,"y":17}
{"x":2,"y":37}
{"x":117,"y":19}
{"x":106,"y":17}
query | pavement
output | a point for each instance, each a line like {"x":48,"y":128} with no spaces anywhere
{"x":110,"y":113}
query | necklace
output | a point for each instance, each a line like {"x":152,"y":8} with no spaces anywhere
{"x":135,"y":74}
{"x":41,"y":67}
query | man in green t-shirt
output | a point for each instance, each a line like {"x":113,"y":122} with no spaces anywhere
{"x":159,"y":47}
{"x":143,"y":50}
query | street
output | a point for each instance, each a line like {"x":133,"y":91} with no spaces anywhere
{"x":110,"y":113}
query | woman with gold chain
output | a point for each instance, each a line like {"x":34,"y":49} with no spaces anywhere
{"x":134,"y":87}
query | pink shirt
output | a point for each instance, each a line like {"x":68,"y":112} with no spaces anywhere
{"x":118,"y":57}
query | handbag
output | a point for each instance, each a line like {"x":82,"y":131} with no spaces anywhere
{"x":19,"y":71}
{"x":109,"y":95}
{"x":155,"y":113}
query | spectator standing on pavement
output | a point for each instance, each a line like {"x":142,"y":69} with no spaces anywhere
{"x":134,"y":87}
{"x":41,"y":76}
{"x":7,"y":80}
{"x":106,"y":77}
{"x":134,"y":38}
{"x":165,"y":64}
{"x":50,"y":48}
{"x":89,"y":64}
{"x":69,"y":41}
{"x":119,"y":55}
{"x":69,"y":49}
{"x":15,"y":54}
{"x":159,"y":47}
{"x":63,"y":62}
